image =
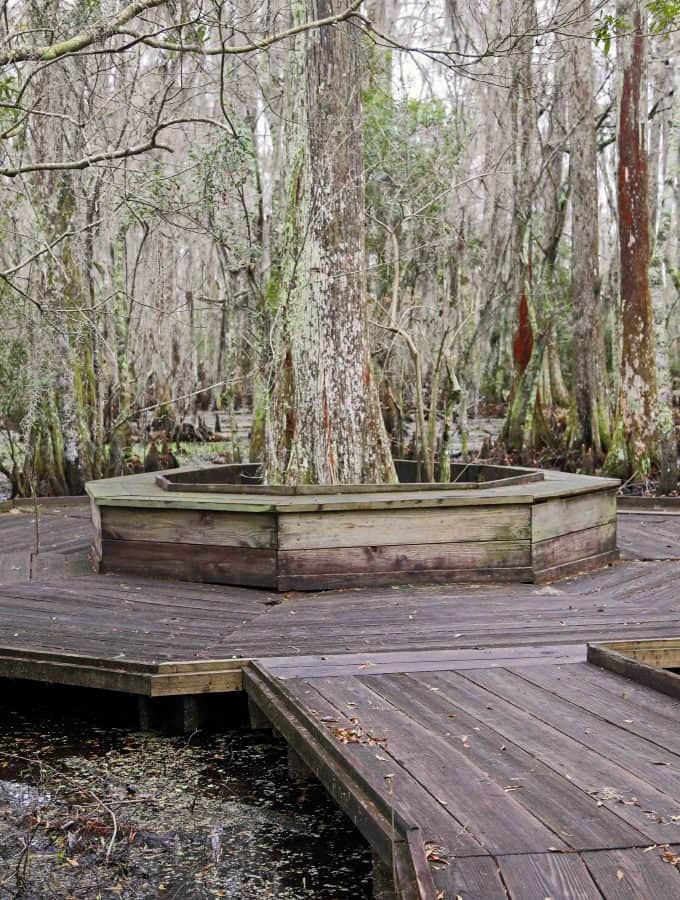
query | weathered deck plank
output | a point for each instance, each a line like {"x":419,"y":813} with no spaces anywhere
{"x":551,"y":811}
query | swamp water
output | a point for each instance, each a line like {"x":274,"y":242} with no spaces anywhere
{"x":93,"y":811}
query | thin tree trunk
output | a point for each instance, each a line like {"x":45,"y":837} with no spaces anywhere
{"x":590,"y":420}
{"x":634,"y":444}
{"x":662,"y":290}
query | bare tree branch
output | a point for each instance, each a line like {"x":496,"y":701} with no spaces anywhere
{"x":242,"y":48}
{"x":82,"y":40}
{"x":108,"y":156}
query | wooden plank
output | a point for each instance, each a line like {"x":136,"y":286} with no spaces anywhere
{"x":538,"y":876}
{"x":664,"y":653}
{"x":352,"y":773}
{"x":650,"y":676}
{"x":550,"y":797}
{"x":418,"y":661}
{"x":573,"y":546}
{"x":493,"y":816}
{"x":405,"y":558}
{"x":649,"y":504}
{"x":183,"y":526}
{"x":634,"y":874}
{"x":579,"y":566}
{"x":96,"y":532}
{"x":191,"y":562}
{"x":374,"y":772}
{"x":201,"y":682}
{"x":634,"y":699}
{"x":372,"y":528}
{"x":644,"y":722}
{"x":427,"y":576}
{"x":78,"y":675}
{"x":638,"y":756}
{"x":50,"y":503}
{"x":370,"y":662}
{"x":472,"y":878}
{"x":15,"y":565}
{"x":552,"y":518}
{"x":413,"y":876}
{"x":501,"y":707}
{"x":127,"y":490}
{"x":137,"y":666}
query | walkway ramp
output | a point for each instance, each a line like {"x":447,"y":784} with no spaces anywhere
{"x":523,"y":773}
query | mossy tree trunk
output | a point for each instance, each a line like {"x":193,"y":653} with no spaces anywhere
{"x":634,"y":443}
{"x":527,"y":351}
{"x":324,"y":419}
{"x":590,"y":424}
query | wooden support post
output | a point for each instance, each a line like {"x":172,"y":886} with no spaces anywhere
{"x":383,"y":880}
{"x":145,"y":710}
{"x":190,"y":713}
{"x":258,"y":720}
{"x":298,"y":770}
{"x":175,"y":715}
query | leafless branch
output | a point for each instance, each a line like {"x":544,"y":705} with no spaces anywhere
{"x":108,"y":156}
{"x":80,"y":41}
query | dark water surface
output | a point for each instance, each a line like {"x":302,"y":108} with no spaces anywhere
{"x":91,"y":809}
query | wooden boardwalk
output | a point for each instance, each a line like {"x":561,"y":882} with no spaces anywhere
{"x":530,"y":775}
{"x":64,"y":538}
{"x":459,"y":726}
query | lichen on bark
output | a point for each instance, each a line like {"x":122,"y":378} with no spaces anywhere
{"x":324,"y":423}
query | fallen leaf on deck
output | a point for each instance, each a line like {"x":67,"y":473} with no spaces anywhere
{"x":435,"y":854}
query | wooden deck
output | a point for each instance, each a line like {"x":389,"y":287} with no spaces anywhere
{"x":458,"y":725}
{"x":529,"y":773}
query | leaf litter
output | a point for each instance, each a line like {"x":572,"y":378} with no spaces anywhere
{"x":88,"y":812}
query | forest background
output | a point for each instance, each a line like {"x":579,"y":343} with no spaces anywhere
{"x":510,"y":167}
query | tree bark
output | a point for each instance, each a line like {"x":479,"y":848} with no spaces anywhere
{"x":324,"y":421}
{"x":590,"y":426}
{"x":635,"y":441}
{"x":663,"y":290}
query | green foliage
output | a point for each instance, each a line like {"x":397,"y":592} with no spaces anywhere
{"x":663,"y":16}
{"x":228,"y":163}
{"x":607,"y":27}
{"x":13,"y":378}
{"x":14,"y":393}
{"x":411,"y":152}
{"x":407,"y":142}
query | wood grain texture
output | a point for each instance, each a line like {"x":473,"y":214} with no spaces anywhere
{"x":472,"y":878}
{"x":552,"y":518}
{"x":632,"y":874}
{"x":574,"y":546}
{"x":191,"y":562}
{"x":395,"y":579}
{"x":225,"y":529}
{"x":637,"y":670}
{"x":548,"y":875}
{"x":579,"y":566}
{"x":376,"y":528}
{"x":404,"y":558}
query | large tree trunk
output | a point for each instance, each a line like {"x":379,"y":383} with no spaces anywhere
{"x":324,"y":422}
{"x":590,"y":427}
{"x":634,"y":444}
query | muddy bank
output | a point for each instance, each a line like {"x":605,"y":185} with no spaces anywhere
{"x":91,"y":811}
